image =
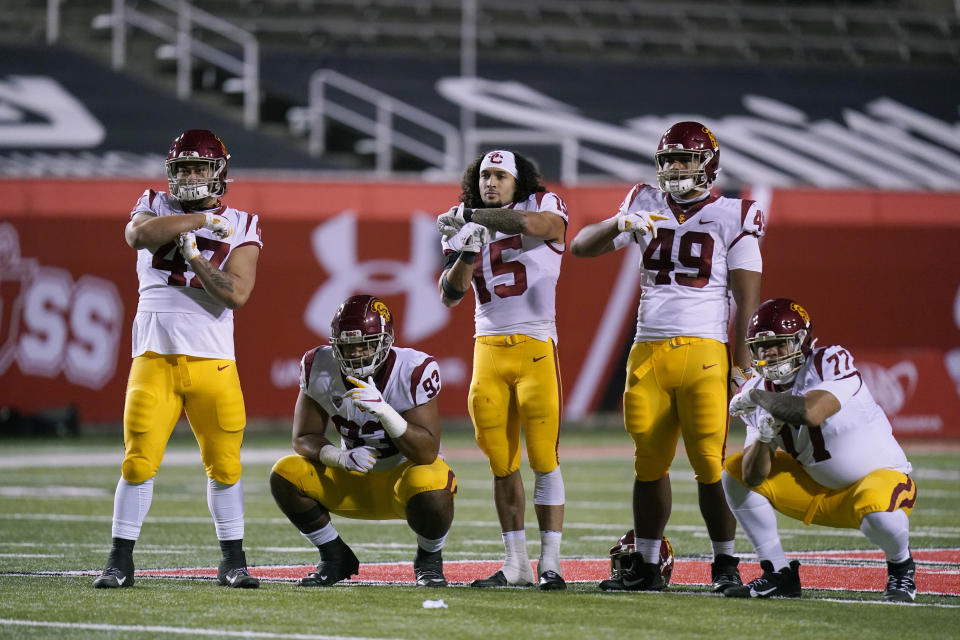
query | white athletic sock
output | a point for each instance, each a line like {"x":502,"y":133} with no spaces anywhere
{"x":722,"y":547}
{"x":889,"y":530}
{"x":758,"y":520}
{"x":430,"y":545}
{"x":649,"y":549}
{"x":516,"y":566}
{"x":323,"y":535}
{"x":226,"y":506}
{"x":130,"y":505}
{"x":549,"y":552}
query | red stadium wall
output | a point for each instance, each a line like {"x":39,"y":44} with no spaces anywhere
{"x":879,"y":272}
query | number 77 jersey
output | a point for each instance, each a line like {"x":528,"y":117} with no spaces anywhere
{"x":684,"y":269}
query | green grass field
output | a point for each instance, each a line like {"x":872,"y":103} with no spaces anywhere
{"x":56,"y":501}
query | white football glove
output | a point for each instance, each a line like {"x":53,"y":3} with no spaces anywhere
{"x":187,"y":242}
{"x":368,"y":398}
{"x":741,"y":403}
{"x":768,"y":426}
{"x":739,"y":376}
{"x":218,"y":224}
{"x":360,"y":459}
{"x":451,"y":222}
{"x":470,"y":238}
{"x":639,"y":222}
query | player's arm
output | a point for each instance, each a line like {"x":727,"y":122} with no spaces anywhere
{"x":232,"y":285}
{"x":811,"y":409}
{"x":546,"y":225}
{"x":148,"y":231}
{"x":421,"y":441}
{"x":455,"y":280}
{"x":757,"y":461}
{"x":745,"y":287}
{"x":595,"y":239}
{"x":309,"y":428}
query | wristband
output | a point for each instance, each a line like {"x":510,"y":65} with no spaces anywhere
{"x":468,"y":257}
{"x":393,"y":423}
{"x":331,"y":456}
{"x":449,"y":290}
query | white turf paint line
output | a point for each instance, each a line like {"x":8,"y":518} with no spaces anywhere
{"x":193,"y":631}
{"x":919,"y":532}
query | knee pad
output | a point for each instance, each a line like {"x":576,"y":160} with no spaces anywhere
{"x":138,"y":410}
{"x":136,"y":469}
{"x":548,"y":488}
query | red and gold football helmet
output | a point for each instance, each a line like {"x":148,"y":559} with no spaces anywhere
{"x":622,"y":553}
{"x":361,"y":335}
{"x":197,"y":146}
{"x":777,"y":322}
{"x":691,"y":143}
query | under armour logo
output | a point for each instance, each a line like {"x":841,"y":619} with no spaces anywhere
{"x":335,"y":248}
{"x":495,"y":157}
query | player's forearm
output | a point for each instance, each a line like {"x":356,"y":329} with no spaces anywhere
{"x":455,"y":282}
{"x":155,"y":231}
{"x":757,"y":460}
{"x":782,"y":406}
{"x":502,"y":220}
{"x":309,"y":445}
{"x":418,"y":444}
{"x":595,"y":239}
{"x":223,"y":287}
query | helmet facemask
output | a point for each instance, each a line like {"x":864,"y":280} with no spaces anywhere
{"x":778,"y":369}
{"x":196,"y":188}
{"x":376,"y":348}
{"x":681,"y":181}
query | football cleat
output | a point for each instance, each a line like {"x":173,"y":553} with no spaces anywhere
{"x":551,"y":581}
{"x":724,"y":573}
{"x":330,"y":571}
{"x":119,"y":572}
{"x":636,"y":575}
{"x":429,"y":572}
{"x":233,"y":573}
{"x":900,"y":581}
{"x":771,"y":584}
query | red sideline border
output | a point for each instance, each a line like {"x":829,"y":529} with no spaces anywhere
{"x":938,"y":571}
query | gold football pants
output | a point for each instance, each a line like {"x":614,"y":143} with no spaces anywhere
{"x":376,"y":495}
{"x":516,"y":383}
{"x":677,"y":387}
{"x":159,"y":388}
{"x":792,"y":492}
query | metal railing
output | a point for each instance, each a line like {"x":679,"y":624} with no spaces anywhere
{"x":187,"y":47}
{"x":381,"y":127}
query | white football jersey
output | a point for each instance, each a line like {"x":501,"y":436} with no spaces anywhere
{"x":175,"y":314}
{"x":515,"y":278}
{"x":684,"y":269}
{"x":408,"y":379}
{"x":851,"y":443}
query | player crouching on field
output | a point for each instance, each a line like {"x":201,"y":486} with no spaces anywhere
{"x":382,"y":400}
{"x":839,"y":465}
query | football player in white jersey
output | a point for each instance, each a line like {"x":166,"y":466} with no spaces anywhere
{"x":382,"y":401}
{"x":196,"y":262}
{"x":818,"y":449}
{"x":697,"y":250}
{"x":507,"y":237}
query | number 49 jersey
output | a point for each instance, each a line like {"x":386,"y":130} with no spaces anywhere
{"x":169,"y":289}
{"x":853,"y":442}
{"x":407,"y":379}
{"x":684,"y":269}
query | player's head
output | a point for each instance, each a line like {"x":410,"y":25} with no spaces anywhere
{"x":624,"y":554}
{"x":498,"y":178}
{"x":780,"y":337}
{"x":687,"y":159}
{"x":361,"y":334}
{"x":197,"y":166}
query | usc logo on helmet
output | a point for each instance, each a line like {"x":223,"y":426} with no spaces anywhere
{"x":803,"y":312}
{"x":381,"y":307}
{"x":713,"y":139}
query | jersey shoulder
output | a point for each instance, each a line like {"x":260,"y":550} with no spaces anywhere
{"x":744,"y":215}
{"x":417,"y":373}
{"x":644,"y":197}
{"x":158,"y":203}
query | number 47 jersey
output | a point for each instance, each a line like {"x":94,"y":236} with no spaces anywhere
{"x":175,"y":314}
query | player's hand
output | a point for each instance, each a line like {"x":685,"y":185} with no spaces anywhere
{"x":367,"y":397}
{"x":768,"y":426}
{"x":359,"y":459}
{"x":741,"y":403}
{"x":639,"y":222}
{"x":739,"y":376}
{"x":452,"y":221}
{"x":470,"y":238}
{"x":187,"y":243}
{"x":219,"y":225}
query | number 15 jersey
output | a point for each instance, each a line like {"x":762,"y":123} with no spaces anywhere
{"x":175,"y":315}
{"x":684,"y":269}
